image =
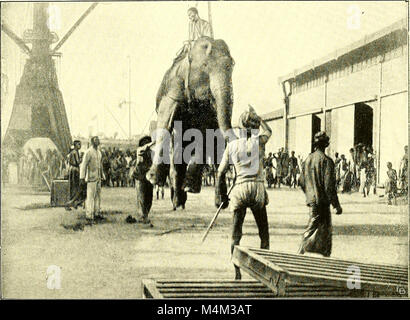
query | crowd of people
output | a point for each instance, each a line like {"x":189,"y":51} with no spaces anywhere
{"x":355,"y":173}
{"x":34,"y":168}
{"x":280,"y":168}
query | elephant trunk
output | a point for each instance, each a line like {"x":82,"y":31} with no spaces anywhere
{"x":221,"y":89}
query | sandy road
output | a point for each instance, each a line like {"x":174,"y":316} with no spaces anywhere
{"x":108,"y":260}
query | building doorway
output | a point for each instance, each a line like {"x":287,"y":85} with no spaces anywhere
{"x":316,"y":125}
{"x":363,"y":124}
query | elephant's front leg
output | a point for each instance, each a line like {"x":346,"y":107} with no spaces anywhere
{"x":162,"y":137}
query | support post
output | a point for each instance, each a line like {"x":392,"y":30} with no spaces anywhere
{"x":129,"y":96}
{"x":379,"y":113}
{"x":285,"y":115}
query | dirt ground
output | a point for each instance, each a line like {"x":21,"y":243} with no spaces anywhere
{"x":109,"y":259}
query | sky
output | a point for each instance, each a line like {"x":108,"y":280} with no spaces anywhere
{"x":267,"y":40}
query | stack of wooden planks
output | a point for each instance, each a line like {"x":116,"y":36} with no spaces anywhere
{"x":231,"y":289}
{"x":281,"y":271}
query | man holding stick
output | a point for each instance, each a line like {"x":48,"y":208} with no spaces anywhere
{"x":246,"y":154}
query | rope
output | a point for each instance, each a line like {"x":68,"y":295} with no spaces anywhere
{"x":149,"y":119}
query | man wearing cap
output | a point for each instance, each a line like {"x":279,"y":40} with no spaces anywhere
{"x":246,"y":154}
{"x":91,"y":172}
{"x":318,"y":182}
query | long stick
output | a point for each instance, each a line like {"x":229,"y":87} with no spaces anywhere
{"x":216,"y":215}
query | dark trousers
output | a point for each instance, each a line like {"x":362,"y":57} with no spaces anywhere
{"x":74,"y":179}
{"x":317,"y":237}
{"x":261,"y":219}
{"x":79,"y":198}
{"x":144,"y":197}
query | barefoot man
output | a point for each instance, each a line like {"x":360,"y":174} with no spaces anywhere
{"x":246,"y":154}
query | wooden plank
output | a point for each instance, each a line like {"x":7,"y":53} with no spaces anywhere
{"x":401,"y":272}
{"x":322,"y":271}
{"x":149,"y":289}
{"x":337,"y":263}
{"x":382,"y":288}
{"x":224,"y":295}
{"x":363,"y":276}
{"x":282,"y":261}
{"x":183,"y":289}
{"x":330,"y":259}
{"x":261,"y":269}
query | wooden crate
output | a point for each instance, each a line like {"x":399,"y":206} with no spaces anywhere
{"x":231,"y":289}
{"x":60,"y":193}
{"x":279,"y":270}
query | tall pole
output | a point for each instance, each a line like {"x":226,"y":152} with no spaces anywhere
{"x":210,"y":19}
{"x":129,"y":95}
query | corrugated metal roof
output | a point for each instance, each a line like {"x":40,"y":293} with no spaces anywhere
{"x":276,"y":114}
{"x":401,"y":24}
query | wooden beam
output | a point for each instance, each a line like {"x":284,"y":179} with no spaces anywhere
{"x":15,"y":38}
{"x":75,"y":26}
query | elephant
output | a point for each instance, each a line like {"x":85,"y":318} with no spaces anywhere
{"x":197,"y":91}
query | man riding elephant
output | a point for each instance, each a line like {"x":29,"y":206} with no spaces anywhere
{"x":196,"y":92}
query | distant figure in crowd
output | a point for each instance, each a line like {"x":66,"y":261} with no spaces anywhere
{"x":106,"y":167}
{"x":285,"y":166}
{"x":371,"y":173}
{"x":391,"y":184}
{"x":247,"y":156}
{"x":343,"y":169}
{"x":363,"y":178}
{"x":352,"y":169}
{"x":403,"y":172}
{"x":279,"y":168}
{"x":293,"y":170}
{"x":318,"y":182}
{"x":74,"y":170}
{"x":143,"y":187}
{"x":269,"y":170}
{"x":91,"y":172}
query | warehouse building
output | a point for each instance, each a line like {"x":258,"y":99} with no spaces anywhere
{"x":358,"y":94}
